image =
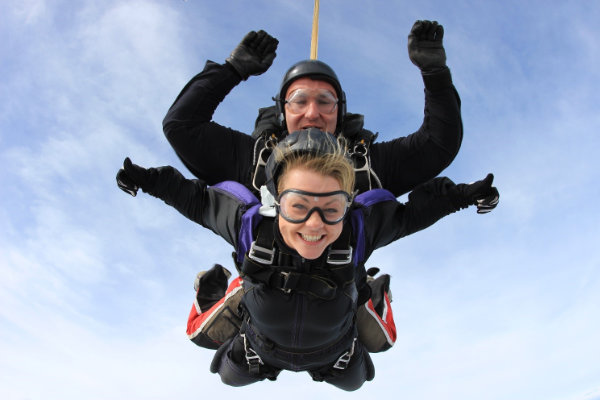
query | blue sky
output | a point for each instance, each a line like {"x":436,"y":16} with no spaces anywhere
{"x":96,"y":286}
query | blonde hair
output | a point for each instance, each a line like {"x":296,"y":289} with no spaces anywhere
{"x":335,"y":165}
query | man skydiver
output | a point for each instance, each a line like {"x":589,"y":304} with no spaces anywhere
{"x":215,"y":153}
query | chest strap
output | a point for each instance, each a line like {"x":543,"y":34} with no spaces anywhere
{"x":265,"y":263}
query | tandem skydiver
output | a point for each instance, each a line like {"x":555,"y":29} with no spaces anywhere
{"x":300,"y":257}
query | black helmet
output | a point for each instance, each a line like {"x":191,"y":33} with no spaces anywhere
{"x":311,"y":140}
{"x":316,"y":70}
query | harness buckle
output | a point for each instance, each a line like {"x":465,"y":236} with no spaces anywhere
{"x":270,"y":253}
{"x":285,"y":276}
{"x":339,"y":257}
{"x":259,"y":177}
{"x":252,"y":358}
{"x":344,"y":360}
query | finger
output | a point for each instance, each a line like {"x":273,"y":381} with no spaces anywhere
{"x":488,"y":203}
{"x":268,"y":60}
{"x":429,"y":34}
{"x":494,"y":197}
{"x":263,"y":44}
{"x":439,"y":33}
{"x":272,"y":44}
{"x":416,"y":29}
{"x":249,"y":38}
{"x":258,"y":39}
{"x":269,"y":47}
{"x":125,"y":183}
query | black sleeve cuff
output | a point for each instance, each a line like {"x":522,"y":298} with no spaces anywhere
{"x":437,"y":80}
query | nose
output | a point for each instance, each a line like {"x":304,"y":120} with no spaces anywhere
{"x":314,"y":221}
{"x":312,"y":110}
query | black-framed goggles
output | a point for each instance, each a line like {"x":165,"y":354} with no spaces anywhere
{"x":296,"y":206}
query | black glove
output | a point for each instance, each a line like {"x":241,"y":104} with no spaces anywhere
{"x":132,"y":177}
{"x":480,"y":193}
{"x":254,"y":55}
{"x":425,"y":47}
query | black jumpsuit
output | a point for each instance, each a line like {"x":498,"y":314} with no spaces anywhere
{"x":215,"y":153}
{"x":294,"y":330}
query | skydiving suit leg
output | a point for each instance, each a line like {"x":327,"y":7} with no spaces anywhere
{"x":215,"y":317}
{"x":352,"y":369}
{"x":238,"y":365}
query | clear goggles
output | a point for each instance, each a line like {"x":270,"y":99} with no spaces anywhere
{"x":296,"y":206}
{"x":300,"y":99}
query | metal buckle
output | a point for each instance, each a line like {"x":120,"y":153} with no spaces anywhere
{"x":360,"y":148}
{"x":344,"y":360}
{"x":254,"y":247}
{"x":252,"y":358}
{"x":263,"y":157}
{"x":347,"y":256}
{"x":285,"y":279}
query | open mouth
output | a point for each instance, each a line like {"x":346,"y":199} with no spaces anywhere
{"x":311,"y":238}
{"x":312,"y":126}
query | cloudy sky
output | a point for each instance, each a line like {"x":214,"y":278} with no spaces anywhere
{"x":95,"y":286}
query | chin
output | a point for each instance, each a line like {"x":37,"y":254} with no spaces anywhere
{"x":310,"y":254}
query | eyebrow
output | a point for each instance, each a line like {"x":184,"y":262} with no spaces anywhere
{"x":306,"y":197}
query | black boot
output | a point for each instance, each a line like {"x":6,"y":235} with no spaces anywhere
{"x":211,"y":286}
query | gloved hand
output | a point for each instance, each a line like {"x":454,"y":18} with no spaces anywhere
{"x":254,"y":55}
{"x":480,"y":193}
{"x":425,"y":47}
{"x":132,"y":177}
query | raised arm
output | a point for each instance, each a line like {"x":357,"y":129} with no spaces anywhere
{"x":404,"y":163}
{"x":212,"y":152}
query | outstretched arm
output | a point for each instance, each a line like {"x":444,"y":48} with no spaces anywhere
{"x":217,"y":209}
{"x":387,"y":220}
{"x":404,"y":163}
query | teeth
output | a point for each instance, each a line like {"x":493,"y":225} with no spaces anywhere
{"x":311,"y":238}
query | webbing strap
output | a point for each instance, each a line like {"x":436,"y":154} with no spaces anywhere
{"x":264,"y":263}
{"x":315,"y":285}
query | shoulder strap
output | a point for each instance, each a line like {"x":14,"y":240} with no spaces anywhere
{"x":268,"y":131}
{"x":267,"y":123}
{"x":359,"y":142}
{"x":264,"y":263}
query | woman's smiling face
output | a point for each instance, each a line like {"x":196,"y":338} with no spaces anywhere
{"x":311,"y":237}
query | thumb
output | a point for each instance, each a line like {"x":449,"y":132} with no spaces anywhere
{"x":488,"y":180}
{"x":482,"y":186}
{"x":127,"y":163}
{"x":134,"y":171}
{"x":141,"y":176}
